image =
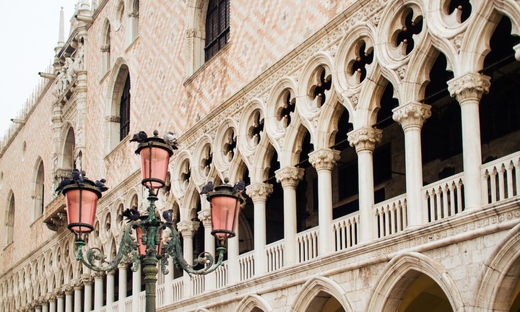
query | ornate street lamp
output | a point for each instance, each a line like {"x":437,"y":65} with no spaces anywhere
{"x":149,"y":246}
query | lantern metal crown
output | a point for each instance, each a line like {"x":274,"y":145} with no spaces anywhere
{"x":150,"y":243}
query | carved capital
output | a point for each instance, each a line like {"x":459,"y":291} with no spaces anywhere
{"x":98,"y":275}
{"x":412,"y":114}
{"x":57,"y":293}
{"x":116,"y":119}
{"x":364,"y":138}
{"x":105,"y":48}
{"x":67,"y":289}
{"x":289,"y":176}
{"x":469,"y":86}
{"x":324,"y":159}
{"x":205,"y":216}
{"x":187,"y":228}
{"x":259,"y":191}
{"x":190,"y":33}
{"x":86,"y":279}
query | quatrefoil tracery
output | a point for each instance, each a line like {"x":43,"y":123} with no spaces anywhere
{"x":458,"y":11}
{"x":206,"y":160}
{"x":256,"y":129}
{"x":287,"y":108}
{"x":185,"y":174}
{"x":322,"y":85}
{"x":230,"y":144}
{"x":364,"y":57}
{"x":405,"y":36}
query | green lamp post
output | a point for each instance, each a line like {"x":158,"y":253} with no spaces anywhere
{"x":148,"y":246}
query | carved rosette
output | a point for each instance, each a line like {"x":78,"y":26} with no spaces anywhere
{"x":324,"y":159}
{"x":412,"y":114}
{"x":365,"y":138}
{"x":289,"y":176}
{"x":259,"y":191}
{"x":469,"y":86}
{"x":187,"y":228}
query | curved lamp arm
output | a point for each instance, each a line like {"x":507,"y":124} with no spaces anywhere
{"x":127,"y":247}
{"x":173,"y":248}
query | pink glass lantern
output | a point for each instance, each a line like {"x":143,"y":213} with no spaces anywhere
{"x":142,"y":247}
{"x":81,"y":207}
{"x":155,"y":157}
{"x":225,"y":210}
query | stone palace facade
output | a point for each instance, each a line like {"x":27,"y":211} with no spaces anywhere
{"x":379,"y":141}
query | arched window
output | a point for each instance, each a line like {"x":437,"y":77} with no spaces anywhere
{"x":9,"y":223}
{"x":133,"y":25}
{"x":124,"y":110}
{"x":217,"y":27}
{"x":105,"y":48}
{"x":39,"y":190}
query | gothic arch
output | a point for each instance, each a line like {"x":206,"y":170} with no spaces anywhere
{"x":500,"y":275}
{"x":105,"y":47}
{"x":116,"y":84}
{"x":393,"y":282}
{"x":10,"y":218}
{"x":195,"y":35}
{"x":315,"y":287}
{"x":250,"y":302}
{"x":38,"y":183}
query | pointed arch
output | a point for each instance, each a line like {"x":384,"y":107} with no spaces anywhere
{"x":105,"y":47}
{"x":133,"y":21}
{"x":501,"y":275}
{"x":320,"y":286}
{"x":401,"y":272}
{"x":9,"y":218}
{"x":38,"y":183}
{"x":118,"y":104}
{"x":251,"y":302}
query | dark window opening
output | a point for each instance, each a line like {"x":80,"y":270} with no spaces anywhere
{"x":217,"y":27}
{"x":124,"y":110}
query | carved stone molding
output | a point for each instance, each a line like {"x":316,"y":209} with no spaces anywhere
{"x":187,"y":228}
{"x":116,"y":119}
{"x":469,"y":86}
{"x":67,"y":288}
{"x":105,"y":48}
{"x":259,"y":191}
{"x":98,"y":275}
{"x":365,"y":138}
{"x":205,"y":216}
{"x":324,"y":159}
{"x":412,"y":114}
{"x":289,"y":176}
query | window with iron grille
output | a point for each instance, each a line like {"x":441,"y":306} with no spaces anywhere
{"x":124,"y":110}
{"x":217,"y":27}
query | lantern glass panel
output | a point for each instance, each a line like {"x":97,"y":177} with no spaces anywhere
{"x":154,"y":166}
{"x":81,"y":209}
{"x":142,"y":247}
{"x":224,"y":215}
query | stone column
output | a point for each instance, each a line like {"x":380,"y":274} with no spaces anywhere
{"x":468,"y":89}
{"x":52,"y":302}
{"x":98,"y":291}
{"x":68,"y":290}
{"x":110,"y":289}
{"x":87,"y":282}
{"x":136,"y":289}
{"x":289,"y":177}
{"x":122,"y":286}
{"x":38,"y":307}
{"x":78,"y":286}
{"x":411,"y":117}
{"x":187,"y":229}
{"x":364,"y":140}
{"x":324,"y":161}
{"x":258,"y":192}
{"x":168,"y":278}
{"x":209,"y":240}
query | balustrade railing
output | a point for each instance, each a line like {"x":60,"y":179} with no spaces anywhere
{"x":247,"y":265}
{"x":501,"y":178}
{"x":221,"y":274}
{"x":391,"y":216}
{"x":307,"y":244}
{"x":198,"y":283}
{"x":177,"y":289}
{"x":444,"y":198}
{"x":274,"y":252}
{"x":128,"y":304}
{"x":160,"y":293}
{"x":346,"y":231}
